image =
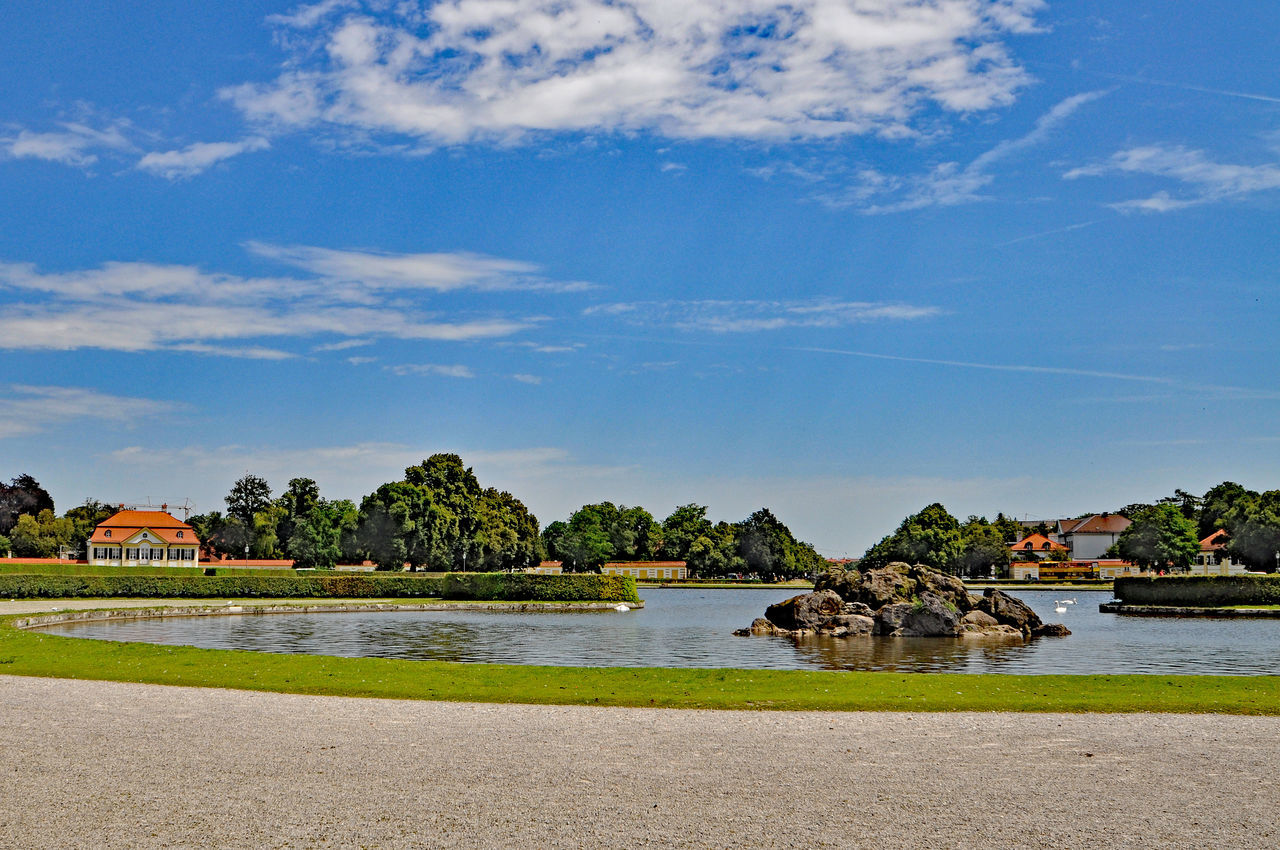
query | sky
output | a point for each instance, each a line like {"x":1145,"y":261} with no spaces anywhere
{"x":840,"y":258}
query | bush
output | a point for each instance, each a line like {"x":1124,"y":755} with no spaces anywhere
{"x":286,"y":586}
{"x":577,"y":587}
{"x":479,"y":586}
{"x":1199,"y":591}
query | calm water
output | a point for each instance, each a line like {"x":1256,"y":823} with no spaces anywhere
{"x":693,"y":628}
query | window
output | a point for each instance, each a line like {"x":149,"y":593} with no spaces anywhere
{"x":179,"y":535}
{"x":106,"y":533}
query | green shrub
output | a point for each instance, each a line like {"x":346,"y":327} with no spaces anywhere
{"x":283,"y":586}
{"x":1199,"y":591}
{"x":287,"y":585}
{"x":577,"y":587}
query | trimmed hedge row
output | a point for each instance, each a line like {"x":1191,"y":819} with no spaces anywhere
{"x":1199,"y":591}
{"x":580,"y":587}
{"x":288,"y":586}
{"x":477,"y":586}
{"x":18,"y":568}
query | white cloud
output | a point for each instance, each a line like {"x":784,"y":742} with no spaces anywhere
{"x":353,"y":299}
{"x":193,"y":159}
{"x":451,"y":371}
{"x":439,"y":272}
{"x":76,"y":144}
{"x":747,"y":316}
{"x":453,"y":72}
{"x":527,"y":379}
{"x":30,"y":409}
{"x":950,"y":183}
{"x":1207,"y":181}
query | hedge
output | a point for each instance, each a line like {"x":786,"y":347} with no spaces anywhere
{"x":288,"y":586}
{"x":1199,"y":591}
{"x":478,"y":586}
{"x":579,"y":587}
{"x":19,"y":568}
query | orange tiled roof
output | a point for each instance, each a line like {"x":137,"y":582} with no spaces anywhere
{"x":1099,"y":524}
{"x":1214,"y":541}
{"x":127,"y":523}
{"x":1039,"y":543}
{"x":645,"y":564}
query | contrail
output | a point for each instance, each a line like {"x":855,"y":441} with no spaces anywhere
{"x":1066,"y":229}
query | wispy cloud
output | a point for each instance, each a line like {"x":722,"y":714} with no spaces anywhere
{"x":74,"y":143}
{"x":527,"y":379}
{"x":950,"y":183}
{"x":473,"y":69}
{"x":1218,"y":391}
{"x":437,"y":369}
{"x":1206,"y":180}
{"x":30,"y":409}
{"x":1054,"y":232}
{"x":352,"y":298}
{"x":748,"y":316}
{"x":198,"y":157}
{"x":438,"y":272}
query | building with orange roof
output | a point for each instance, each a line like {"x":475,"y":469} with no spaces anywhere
{"x":647,"y":569}
{"x":1036,"y":546}
{"x":1090,"y":537}
{"x":1214,"y":559}
{"x":134,"y":538}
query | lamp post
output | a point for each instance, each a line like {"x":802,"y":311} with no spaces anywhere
{"x":246,"y":551}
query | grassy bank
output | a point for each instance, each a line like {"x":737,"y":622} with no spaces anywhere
{"x":35,"y":654}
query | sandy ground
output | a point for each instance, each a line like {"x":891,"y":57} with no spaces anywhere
{"x":102,"y":764}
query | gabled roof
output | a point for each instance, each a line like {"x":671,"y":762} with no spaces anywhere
{"x":1098,"y":524}
{"x":1215,"y":541}
{"x":125,"y":524}
{"x":1039,"y":543}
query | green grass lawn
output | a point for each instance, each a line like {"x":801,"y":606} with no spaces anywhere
{"x":36,"y":654}
{"x":19,"y":568}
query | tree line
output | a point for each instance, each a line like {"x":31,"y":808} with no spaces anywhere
{"x":1164,"y":534}
{"x":759,"y":545}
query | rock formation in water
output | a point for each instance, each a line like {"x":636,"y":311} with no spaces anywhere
{"x":900,"y":600}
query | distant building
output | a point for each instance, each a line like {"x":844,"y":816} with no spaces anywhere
{"x":1036,"y":546}
{"x":1214,"y":560}
{"x":647,"y":569}
{"x":1102,"y":568}
{"x":1090,"y":537}
{"x":546,"y":568}
{"x":143,"y":538}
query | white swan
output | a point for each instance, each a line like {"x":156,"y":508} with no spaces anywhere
{"x":622,"y":606}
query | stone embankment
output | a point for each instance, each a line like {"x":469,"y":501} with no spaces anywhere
{"x":900,"y":600}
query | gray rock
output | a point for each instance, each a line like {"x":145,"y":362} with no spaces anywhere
{"x":840,"y":580}
{"x":931,"y":616}
{"x":859,"y":608}
{"x":1009,"y":611}
{"x":807,"y":611}
{"x":1051,"y":630}
{"x":849,"y":624}
{"x":981,"y":619}
{"x":889,"y":619}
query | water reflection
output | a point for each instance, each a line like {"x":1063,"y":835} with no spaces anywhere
{"x":693,"y":628}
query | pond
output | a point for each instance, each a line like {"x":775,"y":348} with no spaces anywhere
{"x":682,"y":627}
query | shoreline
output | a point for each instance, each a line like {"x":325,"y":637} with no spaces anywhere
{"x":1184,"y":611}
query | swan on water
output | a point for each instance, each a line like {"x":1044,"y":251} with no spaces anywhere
{"x":622,"y":606}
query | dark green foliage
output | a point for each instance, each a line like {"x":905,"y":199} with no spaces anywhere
{"x":22,"y":495}
{"x":679,"y":531}
{"x":1198,"y":591}
{"x":542,"y":588}
{"x":931,"y":537}
{"x":984,"y":550}
{"x":603,"y":532}
{"x":248,"y":496}
{"x":479,"y":586}
{"x":1160,"y":537}
{"x":286,"y":586}
{"x":772,"y":552}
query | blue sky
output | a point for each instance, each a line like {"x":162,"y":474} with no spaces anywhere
{"x":838,"y":258}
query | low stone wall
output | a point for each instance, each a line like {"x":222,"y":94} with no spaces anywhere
{"x":53,"y":618}
{"x":1182,"y":611}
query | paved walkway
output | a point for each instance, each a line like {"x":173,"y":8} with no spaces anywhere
{"x":103,"y":764}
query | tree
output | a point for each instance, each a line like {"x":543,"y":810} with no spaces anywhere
{"x":931,"y":537}
{"x":1160,"y":537}
{"x":1225,"y":502}
{"x":248,"y":496}
{"x":323,"y":534}
{"x":682,"y":528}
{"x":1011,"y":531}
{"x":42,"y":536}
{"x":715,"y":553}
{"x":587,"y":542}
{"x":22,"y":495}
{"x":772,"y":552}
{"x":983,"y":549}
{"x":1254,"y":527}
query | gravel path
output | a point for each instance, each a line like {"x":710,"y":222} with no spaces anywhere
{"x":97,"y":764}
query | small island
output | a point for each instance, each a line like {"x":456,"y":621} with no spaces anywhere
{"x":900,"y":600}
